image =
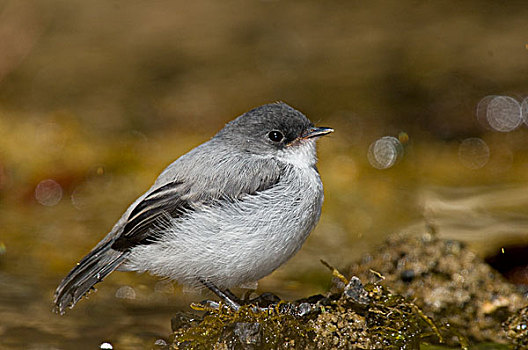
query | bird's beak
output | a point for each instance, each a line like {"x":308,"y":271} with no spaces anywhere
{"x":316,"y":132}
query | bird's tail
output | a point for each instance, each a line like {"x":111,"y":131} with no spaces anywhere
{"x":93,"y":268}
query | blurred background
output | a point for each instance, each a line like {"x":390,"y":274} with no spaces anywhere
{"x":97,"y":97}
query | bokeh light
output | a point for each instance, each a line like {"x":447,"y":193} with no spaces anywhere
{"x":524,"y":110}
{"x":106,"y":346}
{"x":473,"y":153}
{"x":160,"y":343}
{"x":499,"y":113}
{"x":48,"y":192}
{"x":125,"y":292}
{"x":385,"y":152}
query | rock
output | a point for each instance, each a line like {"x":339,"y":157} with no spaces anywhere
{"x":412,"y":290}
{"x":449,"y":282}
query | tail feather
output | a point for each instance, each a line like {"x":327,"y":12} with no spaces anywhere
{"x":93,"y":268}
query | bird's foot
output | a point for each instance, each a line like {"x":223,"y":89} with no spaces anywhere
{"x":263,"y":302}
{"x":268,"y":302}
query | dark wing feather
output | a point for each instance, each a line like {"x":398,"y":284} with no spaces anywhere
{"x":93,"y":268}
{"x":155,"y":209}
{"x":162,"y":203}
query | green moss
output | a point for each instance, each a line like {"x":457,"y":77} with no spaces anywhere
{"x":383,"y":321}
{"x":266,"y":329}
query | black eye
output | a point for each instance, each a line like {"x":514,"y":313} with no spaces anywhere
{"x":275,"y":136}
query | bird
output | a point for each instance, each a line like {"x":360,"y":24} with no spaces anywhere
{"x":228,"y":212}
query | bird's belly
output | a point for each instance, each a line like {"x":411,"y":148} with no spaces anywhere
{"x":236,"y":243}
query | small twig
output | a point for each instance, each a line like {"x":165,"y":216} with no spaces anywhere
{"x":428,"y":321}
{"x":378,"y":274}
{"x":335,"y":272}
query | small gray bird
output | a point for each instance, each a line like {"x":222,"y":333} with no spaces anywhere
{"x":229,"y":212}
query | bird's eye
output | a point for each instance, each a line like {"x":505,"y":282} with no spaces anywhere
{"x":275,"y":136}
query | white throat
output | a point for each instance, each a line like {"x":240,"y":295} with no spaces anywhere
{"x":302,"y":155}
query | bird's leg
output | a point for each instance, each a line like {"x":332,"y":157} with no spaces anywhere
{"x":232,"y":296}
{"x":261,"y":303}
{"x":227,"y":296}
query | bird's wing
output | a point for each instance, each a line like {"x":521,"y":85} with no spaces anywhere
{"x":179,"y":197}
{"x":159,"y":205}
{"x":154,"y":210}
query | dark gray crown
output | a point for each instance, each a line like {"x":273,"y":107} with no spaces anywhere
{"x":255,"y":125}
